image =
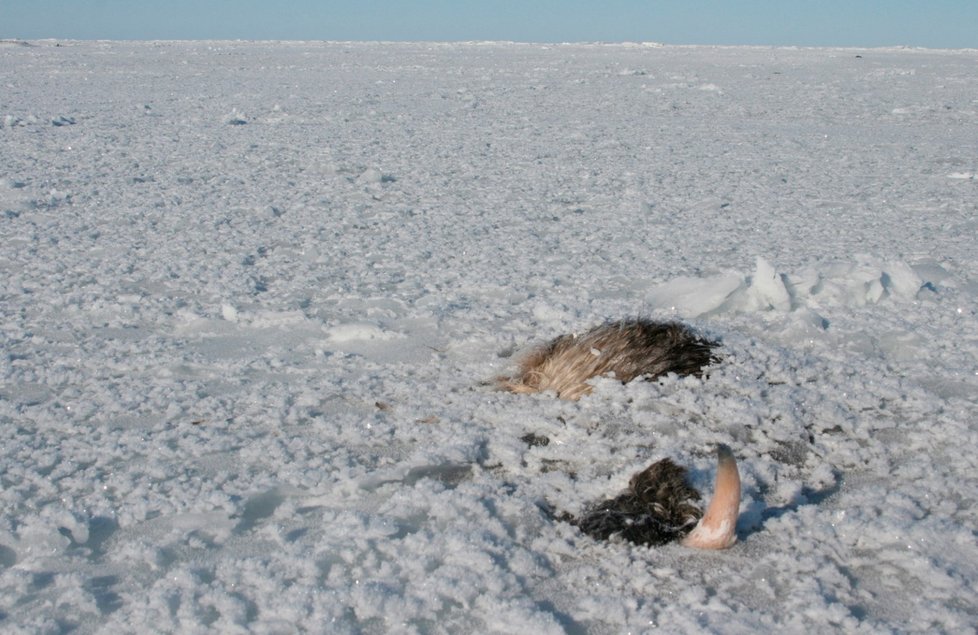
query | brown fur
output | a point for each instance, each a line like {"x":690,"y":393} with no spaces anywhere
{"x":626,"y":349}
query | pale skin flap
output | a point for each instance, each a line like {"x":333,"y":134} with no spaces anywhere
{"x":718,"y":527}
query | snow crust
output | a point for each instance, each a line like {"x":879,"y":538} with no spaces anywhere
{"x":251,"y":295}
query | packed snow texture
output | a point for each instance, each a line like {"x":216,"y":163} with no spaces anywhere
{"x":254,"y":295}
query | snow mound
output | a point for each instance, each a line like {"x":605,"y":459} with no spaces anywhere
{"x":824,"y":287}
{"x":236,"y":118}
{"x":362,"y":331}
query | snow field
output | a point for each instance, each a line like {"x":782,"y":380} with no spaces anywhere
{"x":253,"y":296}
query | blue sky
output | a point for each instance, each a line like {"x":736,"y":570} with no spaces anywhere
{"x":928,"y":23}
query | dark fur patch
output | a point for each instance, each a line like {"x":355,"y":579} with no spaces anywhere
{"x":658,"y":507}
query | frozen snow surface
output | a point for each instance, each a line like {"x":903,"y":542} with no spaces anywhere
{"x":253,"y":296}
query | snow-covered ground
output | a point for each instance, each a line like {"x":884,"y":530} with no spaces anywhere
{"x":252,"y":295}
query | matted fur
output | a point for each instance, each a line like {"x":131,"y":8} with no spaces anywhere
{"x":658,"y":507}
{"x":626,"y":349}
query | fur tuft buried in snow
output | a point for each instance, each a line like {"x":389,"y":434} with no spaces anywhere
{"x":624,"y":350}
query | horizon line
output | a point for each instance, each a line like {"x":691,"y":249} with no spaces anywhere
{"x":625,"y":43}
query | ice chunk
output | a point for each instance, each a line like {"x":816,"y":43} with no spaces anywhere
{"x":768,"y":288}
{"x":695,"y":296}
